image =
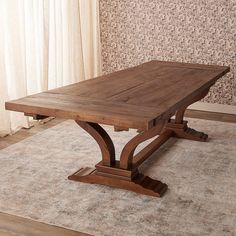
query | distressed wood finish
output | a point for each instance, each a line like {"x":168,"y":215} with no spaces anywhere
{"x":133,"y":98}
{"x":144,"y":97}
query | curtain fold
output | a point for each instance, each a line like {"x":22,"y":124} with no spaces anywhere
{"x":45,"y":44}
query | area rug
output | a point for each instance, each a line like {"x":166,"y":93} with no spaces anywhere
{"x":201,"y":199}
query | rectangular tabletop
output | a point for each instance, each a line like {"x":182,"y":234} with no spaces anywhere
{"x":132,"y":98}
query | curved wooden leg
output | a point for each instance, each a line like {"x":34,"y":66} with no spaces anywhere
{"x":127,"y":154}
{"x":103,"y":139}
{"x":180,"y":127}
{"x":179,"y":116}
{"x":109,"y":172}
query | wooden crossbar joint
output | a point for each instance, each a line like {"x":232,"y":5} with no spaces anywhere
{"x":36,"y":116}
{"x":172,"y":125}
{"x":119,"y":129}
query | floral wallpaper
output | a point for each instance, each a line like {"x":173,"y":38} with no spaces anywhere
{"x":195,"y":31}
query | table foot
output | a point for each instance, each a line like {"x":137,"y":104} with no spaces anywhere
{"x":192,"y":134}
{"x":183,"y":131}
{"x":140,"y":184}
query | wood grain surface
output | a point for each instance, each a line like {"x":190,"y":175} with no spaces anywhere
{"x":132,"y":98}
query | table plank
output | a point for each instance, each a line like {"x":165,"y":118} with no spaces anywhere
{"x":86,"y":109}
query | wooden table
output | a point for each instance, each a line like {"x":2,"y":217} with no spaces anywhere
{"x":143,"y":98}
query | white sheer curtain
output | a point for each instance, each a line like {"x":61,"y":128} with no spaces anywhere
{"x":45,"y":44}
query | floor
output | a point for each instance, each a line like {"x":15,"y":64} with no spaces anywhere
{"x":25,"y":133}
{"x":13,"y":225}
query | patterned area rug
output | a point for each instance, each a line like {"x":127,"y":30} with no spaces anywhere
{"x":201,"y":199}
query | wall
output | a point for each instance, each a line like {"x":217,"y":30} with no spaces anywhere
{"x":197,"y":31}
